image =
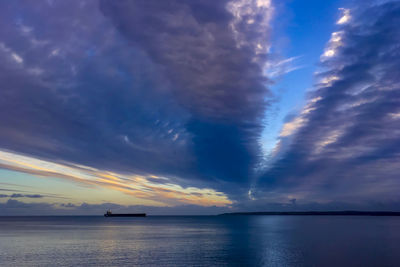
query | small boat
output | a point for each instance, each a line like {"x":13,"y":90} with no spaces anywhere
{"x":110,"y":214}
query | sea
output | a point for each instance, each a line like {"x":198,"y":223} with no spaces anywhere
{"x":200,"y":241}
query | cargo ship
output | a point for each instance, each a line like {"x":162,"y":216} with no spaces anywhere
{"x":110,"y":214}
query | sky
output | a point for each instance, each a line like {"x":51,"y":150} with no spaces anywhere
{"x":199,"y":106}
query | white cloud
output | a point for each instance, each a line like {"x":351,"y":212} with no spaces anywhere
{"x":258,"y":14}
{"x":17,"y":58}
{"x":334,"y":43}
{"x":395,"y":116}
{"x":345,"y":16}
{"x":278,"y":68}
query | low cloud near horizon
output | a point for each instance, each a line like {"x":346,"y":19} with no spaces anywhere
{"x":13,"y":207}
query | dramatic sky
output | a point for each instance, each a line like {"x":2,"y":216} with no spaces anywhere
{"x":199,"y":106}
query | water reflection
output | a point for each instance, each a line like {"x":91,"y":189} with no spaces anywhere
{"x":200,"y":241}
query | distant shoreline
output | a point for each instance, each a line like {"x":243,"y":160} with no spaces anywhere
{"x":317,"y":213}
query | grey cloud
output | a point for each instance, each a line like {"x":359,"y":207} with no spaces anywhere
{"x":140,"y":87}
{"x":348,"y":147}
{"x":10,"y":190}
{"x":21,"y":193}
{"x":15,"y":195}
{"x":218,"y":83}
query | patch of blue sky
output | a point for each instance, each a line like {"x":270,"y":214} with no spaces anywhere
{"x":301,"y":31}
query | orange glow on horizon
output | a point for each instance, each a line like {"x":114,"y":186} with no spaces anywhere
{"x":163,"y":194}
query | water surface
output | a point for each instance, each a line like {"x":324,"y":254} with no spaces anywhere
{"x":200,"y":241}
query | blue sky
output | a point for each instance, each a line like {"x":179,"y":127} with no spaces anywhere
{"x":198,"y":106}
{"x":301,"y":33}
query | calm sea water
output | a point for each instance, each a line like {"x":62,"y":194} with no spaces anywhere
{"x":200,"y":241}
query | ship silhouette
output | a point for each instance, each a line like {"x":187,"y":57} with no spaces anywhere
{"x":110,"y":214}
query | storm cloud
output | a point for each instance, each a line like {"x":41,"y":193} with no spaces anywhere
{"x":166,"y":101}
{"x":172,"y":88}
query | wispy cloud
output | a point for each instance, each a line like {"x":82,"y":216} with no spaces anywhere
{"x":278,"y":68}
{"x":145,"y":187}
{"x":345,"y":144}
{"x":21,"y":196}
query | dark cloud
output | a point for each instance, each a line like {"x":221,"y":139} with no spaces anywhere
{"x":347,"y":147}
{"x":177,"y":89}
{"x":81,"y":94}
{"x":173,"y":88}
{"x":27,"y":194}
{"x":215,"y":81}
{"x":15,"y":195}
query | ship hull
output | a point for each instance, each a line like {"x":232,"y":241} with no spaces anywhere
{"x":126,"y":215}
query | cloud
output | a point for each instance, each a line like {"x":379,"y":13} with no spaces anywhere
{"x":345,"y":18}
{"x":171,"y":89}
{"x":28,"y":194}
{"x":214,"y":61}
{"x":345,"y":143}
{"x":9,"y":190}
{"x":156,"y":190}
{"x":279,"y":67}
{"x":21,"y":196}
